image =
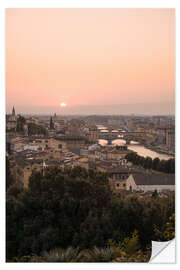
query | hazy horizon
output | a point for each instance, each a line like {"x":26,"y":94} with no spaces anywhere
{"x":85,"y":57}
{"x":151,"y":109}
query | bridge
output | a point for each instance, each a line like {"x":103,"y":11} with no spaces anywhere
{"x":126,"y":135}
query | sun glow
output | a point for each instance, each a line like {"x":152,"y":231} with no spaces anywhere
{"x":63,"y":104}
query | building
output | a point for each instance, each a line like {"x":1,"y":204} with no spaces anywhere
{"x":118,"y":178}
{"x":22,"y":169}
{"x":74,"y":127}
{"x":82,"y":162}
{"x":93,"y":134}
{"x":170,"y":139}
{"x":11,"y":121}
{"x":150,"y":182}
{"x":84,"y":152}
{"x":51,"y":124}
{"x":117,"y":153}
{"x":32,"y":120}
{"x":60,"y":125}
{"x":37,"y":144}
{"x":73,"y":142}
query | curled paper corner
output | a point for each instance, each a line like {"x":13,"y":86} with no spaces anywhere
{"x":163,"y":252}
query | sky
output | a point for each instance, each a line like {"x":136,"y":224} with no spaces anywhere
{"x":90,"y":58}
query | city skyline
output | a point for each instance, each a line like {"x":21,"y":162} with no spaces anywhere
{"x":90,"y":57}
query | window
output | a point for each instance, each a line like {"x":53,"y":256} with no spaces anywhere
{"x":117,"y":185}
{"x":124,"y":185}
{"x":60,"y":146}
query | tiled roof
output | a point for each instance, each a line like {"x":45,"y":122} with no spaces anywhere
{"x":154,"y":179}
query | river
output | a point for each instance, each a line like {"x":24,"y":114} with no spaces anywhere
{"x":134,"y":146}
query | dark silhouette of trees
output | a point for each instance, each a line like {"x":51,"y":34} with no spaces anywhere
{"x":166,"y":166}
{"x":20,"y":124}
{"x":34,"y":129}
{"x":9,"y":178}
{"x":75,"y":207}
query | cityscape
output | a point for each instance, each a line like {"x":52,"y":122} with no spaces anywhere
{"x":36,"y":142}
{"x":89,"y":180}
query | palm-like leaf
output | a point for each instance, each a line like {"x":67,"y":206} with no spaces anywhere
{"x":99,"y":254}
{"x":63,"y":255}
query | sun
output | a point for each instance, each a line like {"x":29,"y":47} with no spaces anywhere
{"x":63,"y":104}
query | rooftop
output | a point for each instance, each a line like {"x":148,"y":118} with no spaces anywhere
{"x":154,"y":179}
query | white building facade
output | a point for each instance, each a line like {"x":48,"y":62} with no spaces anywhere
{"x":150,"y":183}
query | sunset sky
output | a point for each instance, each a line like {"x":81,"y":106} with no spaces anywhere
{"x":89,"y":57}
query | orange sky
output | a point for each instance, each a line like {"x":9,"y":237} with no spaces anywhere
{"x":89,"y":56}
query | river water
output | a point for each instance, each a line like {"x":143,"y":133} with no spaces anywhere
{"x":134,"y":146}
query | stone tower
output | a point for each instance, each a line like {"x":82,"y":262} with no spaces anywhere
{"x":51,"y":123}
{"x":13,"y":111}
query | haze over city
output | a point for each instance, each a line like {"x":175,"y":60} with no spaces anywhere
{"x":100,"y":61}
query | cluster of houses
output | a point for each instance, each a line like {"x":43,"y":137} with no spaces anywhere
{"x":142,"y":182}
{"x":38,"y":152}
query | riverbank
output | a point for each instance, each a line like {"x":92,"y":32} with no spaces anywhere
{"x":159,"y":150}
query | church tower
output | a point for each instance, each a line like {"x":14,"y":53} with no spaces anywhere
{"x":13,"y":111}
{"x":51,"y":123}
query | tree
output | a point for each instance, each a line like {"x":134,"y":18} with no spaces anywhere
{"x":20,"y":124}
{"x":155,"y":194}
{"x":156,"y":164}
{"x":9,"y":178}
{"x":75,"y":207}
{"x":167,"y":166}
{"x":34,"y":129}
{"x":168,"y":233}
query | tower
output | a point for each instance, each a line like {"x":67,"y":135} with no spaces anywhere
{"x":51,"y":123}
{"x":13,"y":111}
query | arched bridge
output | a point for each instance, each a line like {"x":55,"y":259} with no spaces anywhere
{"x":126,"y":135}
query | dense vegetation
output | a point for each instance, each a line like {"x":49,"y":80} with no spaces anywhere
{"x":34,"y":129}
{"x":9,"y":178}
{"x":166,"y":166}
{"x":71,"y":215}
{"x":21,"y":121}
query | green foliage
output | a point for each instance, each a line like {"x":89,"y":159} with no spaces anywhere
{"x":129,"y":249}
{"x":14,"y":190}
{"x":168,"y":233}
{"x":34,"y":129}
{"x":75,"y":207}
{"x":132,"y":243}
{"x":166,"y":166}
{"x":126,"y":251}
{"x":112,"y":253}
{"x":9,"y":178}
{"x":20,"y":124}
{"x":155,"y":194}
{"x":63,"y":255}
{"x":96,"y":254}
